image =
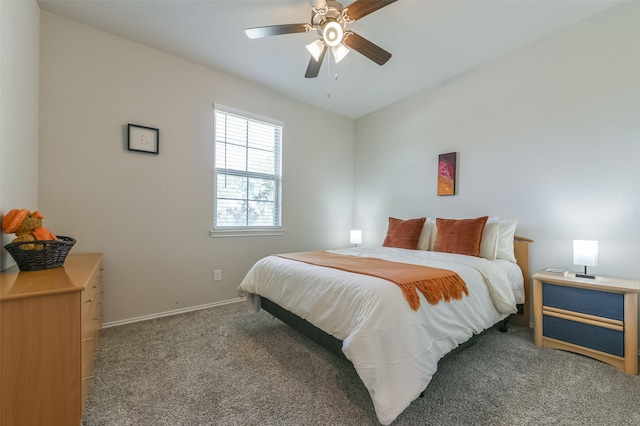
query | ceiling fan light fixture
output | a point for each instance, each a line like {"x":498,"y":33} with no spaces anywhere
{"x":315,"y":49}
{"x":339,"y":52}
{"x":332,"y":33}
{"x":330,"y":21}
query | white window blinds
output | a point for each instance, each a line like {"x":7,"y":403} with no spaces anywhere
{"x":247,"y":174}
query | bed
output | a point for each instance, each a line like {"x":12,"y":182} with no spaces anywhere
{"x":395,"y":347}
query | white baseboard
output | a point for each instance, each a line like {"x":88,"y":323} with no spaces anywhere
{"x":169,"y":313}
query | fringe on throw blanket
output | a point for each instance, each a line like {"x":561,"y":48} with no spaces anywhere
{"x":434,"y":290}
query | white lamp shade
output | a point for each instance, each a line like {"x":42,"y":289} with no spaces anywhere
{"x":315,"y":49}
{"x":332,"y":33}
{"x":355,"y":236}
{"x":585,"y":252}
{"x":339,"y":52}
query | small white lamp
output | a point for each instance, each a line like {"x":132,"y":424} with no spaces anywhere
{"x":355,"y":237}
{"x":585,"y":252}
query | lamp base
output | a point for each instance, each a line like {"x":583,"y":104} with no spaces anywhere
{"x":584,"y":275}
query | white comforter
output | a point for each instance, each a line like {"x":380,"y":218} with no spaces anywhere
{"x":394,"y":349}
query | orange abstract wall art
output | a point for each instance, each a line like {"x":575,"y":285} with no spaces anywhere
{"x":447,"y":173}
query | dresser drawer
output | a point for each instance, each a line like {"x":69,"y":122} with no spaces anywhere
{"x":88,"y":355}
{"x":86,"y":377}
{"x":591,"y":302}
{"x":590,"y":336}
{"x":91,"y":305}
{"x":89,"y":300}
{"x":89,"y":309}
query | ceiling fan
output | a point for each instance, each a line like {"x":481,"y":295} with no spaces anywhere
{"x":329,"y":19}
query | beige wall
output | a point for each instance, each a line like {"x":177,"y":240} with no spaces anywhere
{"x":548,"y":134}
{"x":19,"y":55}
{"x":151,"y":215}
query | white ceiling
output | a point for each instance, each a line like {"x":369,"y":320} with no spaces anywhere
{"x":431,"y":41}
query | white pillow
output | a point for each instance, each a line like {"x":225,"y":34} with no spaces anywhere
{"x":490,"y":237}
{"x":428,"y":229}
{"x":434,"y":233}
{"x":505,"y":241}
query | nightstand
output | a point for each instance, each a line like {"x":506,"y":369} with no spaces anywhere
{"x":593,"y":317}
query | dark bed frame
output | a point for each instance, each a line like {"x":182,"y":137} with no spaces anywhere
{"x":521,"y":248}
{"x":335,"y":345}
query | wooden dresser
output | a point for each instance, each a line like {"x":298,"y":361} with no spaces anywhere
{"x":49,"y":327}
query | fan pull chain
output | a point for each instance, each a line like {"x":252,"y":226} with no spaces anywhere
{"x":328,"y":81}
{"x":331,"y":64}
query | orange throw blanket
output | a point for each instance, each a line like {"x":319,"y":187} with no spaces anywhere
{"x":434,"y":283}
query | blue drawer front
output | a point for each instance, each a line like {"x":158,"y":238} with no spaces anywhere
{"x":592,"y":302}
{"x":589,"y":336}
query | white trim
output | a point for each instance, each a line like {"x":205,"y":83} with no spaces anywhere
{"x":238,"y":232}
{"x":169,"y":313}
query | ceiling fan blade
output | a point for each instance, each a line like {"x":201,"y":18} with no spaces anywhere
{"x":314,"y":66}
{"x":366,"y":48}
{"x":361,"y":8}
{"x":273,"y":30}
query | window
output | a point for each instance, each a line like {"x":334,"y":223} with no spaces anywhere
{"x":247,"y":176}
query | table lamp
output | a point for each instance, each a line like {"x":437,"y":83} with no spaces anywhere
{"x":585,"y":252}
{"x":355,"y":237}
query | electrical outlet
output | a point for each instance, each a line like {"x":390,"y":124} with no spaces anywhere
{"x":217,"y":275}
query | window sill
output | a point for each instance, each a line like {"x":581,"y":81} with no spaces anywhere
{"x":217,"y":233}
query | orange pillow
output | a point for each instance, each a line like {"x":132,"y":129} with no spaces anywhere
{"x":460,"y":236}
{"x":404,"y":233}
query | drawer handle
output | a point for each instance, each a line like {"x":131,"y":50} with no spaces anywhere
{"x":580,"y":319}
{"x":88,"y":339}
{"x":88,"y":378}
{"x":88,"y":301}
{"x":95,"y":286}
{"x":96,"y":319}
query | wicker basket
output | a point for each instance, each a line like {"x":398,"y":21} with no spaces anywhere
{"x":52,"y":255}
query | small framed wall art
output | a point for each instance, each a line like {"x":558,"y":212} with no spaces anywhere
{"x":447,"y":173}
{"x":143,"y":139}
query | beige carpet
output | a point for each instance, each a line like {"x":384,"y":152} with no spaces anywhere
{"x":229,"y":366}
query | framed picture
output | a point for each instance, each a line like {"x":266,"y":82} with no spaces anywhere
{"x":143,"y":139}
{"x":447,"y":173}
